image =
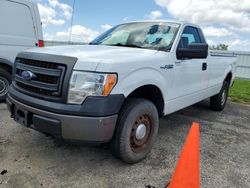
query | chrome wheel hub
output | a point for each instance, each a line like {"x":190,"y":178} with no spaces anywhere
{"x":141,"y":131}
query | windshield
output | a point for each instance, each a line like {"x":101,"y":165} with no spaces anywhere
{"x":157,"y":36}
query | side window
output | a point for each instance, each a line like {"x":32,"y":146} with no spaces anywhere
{"x":203,"y":40}
{"x":190,"y":35}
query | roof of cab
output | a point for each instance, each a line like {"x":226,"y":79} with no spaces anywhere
{"x":25,"y":1}
{"x":167,"y":21}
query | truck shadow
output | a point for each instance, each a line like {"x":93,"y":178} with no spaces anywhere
{"x":172,"y":131}
{"x":170,"y":126}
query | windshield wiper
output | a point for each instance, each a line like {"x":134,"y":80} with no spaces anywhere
{"x":92,"y":43}
{"x":126,"y":45}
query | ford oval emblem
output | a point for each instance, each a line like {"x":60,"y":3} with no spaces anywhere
{"x":27,"y":75}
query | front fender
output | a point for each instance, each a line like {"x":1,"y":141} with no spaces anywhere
{"x":139,"y":78}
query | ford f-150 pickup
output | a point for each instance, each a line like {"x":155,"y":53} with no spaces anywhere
{"x":116,"y":88}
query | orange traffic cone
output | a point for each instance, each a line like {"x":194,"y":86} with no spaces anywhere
{"x":187,"y":172}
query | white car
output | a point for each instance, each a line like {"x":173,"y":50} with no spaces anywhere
{"x":20,"y":29}
{"x":116,"y":88}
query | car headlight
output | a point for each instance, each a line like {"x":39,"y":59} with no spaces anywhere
{"x":84,"y":84}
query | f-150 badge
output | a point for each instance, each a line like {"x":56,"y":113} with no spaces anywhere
{"x":167,"y":66}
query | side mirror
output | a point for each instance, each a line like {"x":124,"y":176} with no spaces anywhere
{"x":193,"y":51}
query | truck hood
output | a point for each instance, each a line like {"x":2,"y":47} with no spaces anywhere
{"x":89,"y":56}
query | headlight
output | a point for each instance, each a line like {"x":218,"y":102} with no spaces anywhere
{"x":83,"y":84}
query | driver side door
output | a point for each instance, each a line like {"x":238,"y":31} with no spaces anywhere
{"x":190,"y":75}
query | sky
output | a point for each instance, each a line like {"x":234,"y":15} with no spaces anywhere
{"x":222,"y":21}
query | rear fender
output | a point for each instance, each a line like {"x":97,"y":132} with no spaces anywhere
{"x":228,"y":70}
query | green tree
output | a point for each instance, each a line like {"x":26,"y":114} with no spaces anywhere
{"x":219,"y":47}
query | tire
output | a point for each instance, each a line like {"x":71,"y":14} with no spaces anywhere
{"x":5,"y":81}
{"x":218,"y":102}
{"x":137,"y":129}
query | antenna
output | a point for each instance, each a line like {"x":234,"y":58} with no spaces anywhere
{"x":71,"y":24}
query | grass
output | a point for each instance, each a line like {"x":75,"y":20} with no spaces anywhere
{"x":240,"y":92}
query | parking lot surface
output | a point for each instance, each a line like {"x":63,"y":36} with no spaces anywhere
{"x":30,"y":159}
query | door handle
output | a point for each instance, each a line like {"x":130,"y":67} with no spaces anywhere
{"x":204,"y":66}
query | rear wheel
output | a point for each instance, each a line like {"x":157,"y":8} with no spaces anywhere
{"x":5,"y":80}
{"x":218,"y":102}
{"x":137,"y":130}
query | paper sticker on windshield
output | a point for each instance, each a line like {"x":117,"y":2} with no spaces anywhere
{"x":173,"y":25}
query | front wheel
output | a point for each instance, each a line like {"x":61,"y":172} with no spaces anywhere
{"x":218,"y":102}
{"x":5,"y":80}
{"x":137,"y":130}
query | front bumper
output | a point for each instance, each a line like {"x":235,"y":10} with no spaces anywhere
{"x":68,"y":127}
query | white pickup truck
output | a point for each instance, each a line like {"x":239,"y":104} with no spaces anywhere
{"x":115,"y":88}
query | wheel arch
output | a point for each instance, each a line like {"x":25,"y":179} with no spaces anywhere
{"x":151,"y":93}
{"x":229,"y":77}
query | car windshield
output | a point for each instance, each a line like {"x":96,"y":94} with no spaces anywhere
{"x":155,"y":35}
